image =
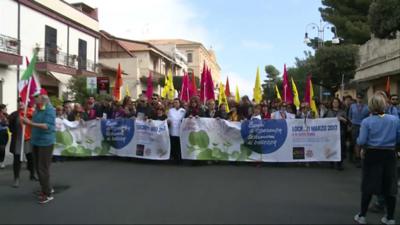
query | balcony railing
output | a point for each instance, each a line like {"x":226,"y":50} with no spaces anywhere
{"x":8,"y":44}
{"x":85,"y":64}
{"x":52,"y":55}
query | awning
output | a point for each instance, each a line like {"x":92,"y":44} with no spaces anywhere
{"x":62,"y":78}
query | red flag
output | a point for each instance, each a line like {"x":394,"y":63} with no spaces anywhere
{"x":227,"y":88}
{"x":388,"y":87}
{"x":118,"y":84}
{"x":149,"y":90}
{"x":34,"y":87}
{"x":209,"y":86}
{"x":203,"y":84}
{"x":185,"y":95}
{"x":287,"y":90}
{"x":193,"y":87}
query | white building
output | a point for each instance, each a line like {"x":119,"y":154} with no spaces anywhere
{"x":138,"y":59}
{"x":66,"y":37}
{"x":179,"y":57}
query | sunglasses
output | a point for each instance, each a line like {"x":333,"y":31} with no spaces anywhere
{"x":395,"y":99}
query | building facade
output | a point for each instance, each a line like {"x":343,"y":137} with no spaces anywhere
{"x":180,"y":61}
{"x":379,"y":59}
{"x":196,"y":55}
{"x":138,"y":59}
{"x":65,"y":36}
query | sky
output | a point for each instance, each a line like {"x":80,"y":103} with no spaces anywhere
{"x":245,"y":34}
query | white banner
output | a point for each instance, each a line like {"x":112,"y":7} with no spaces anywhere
{"x":295,"y":140}
{"x":123,"y":137}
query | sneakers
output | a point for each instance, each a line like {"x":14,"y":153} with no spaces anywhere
{"x":43,"y":199}
{"x":360,"y":219}
{"x":2,"y":165}
{"x":40,"y":193}
{"x":384,"y":220}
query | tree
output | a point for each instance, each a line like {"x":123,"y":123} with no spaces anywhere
{"x":272,"y":72}
{"x":303,"y":67}
{"x":272,"y":80}
{"x":333,"y":62}
{"x":77,"y":90}
{"x":350,"y":18}
{"x":77,"y":87}
{"x":384,"y":18}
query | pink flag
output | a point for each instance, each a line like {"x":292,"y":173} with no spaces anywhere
{"x":184,"y":95}
{"x":149,"y":91}
{"x":209,"y":86}
{"x":287,"y":90}
{"x":203,"y":84}
{"x":227,"y":88}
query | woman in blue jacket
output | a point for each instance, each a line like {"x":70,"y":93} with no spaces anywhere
{"x":379,"y":135}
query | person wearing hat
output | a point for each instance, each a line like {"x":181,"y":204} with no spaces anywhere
{"x":3,"y":133}
{"x":357,"y":113}
{"x":42,"y":140}
{"x":15,"y":121}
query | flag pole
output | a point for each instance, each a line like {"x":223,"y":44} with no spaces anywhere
{"x":342,"y":87}
{"x":204,"y":92}
{"x":21,"y":158}
{"x":187,"y":89}
{"x":284,"y":90}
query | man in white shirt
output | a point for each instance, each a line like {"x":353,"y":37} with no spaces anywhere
{"x":175,"y":117}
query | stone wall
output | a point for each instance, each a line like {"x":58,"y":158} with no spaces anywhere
{"x":378,"y":58}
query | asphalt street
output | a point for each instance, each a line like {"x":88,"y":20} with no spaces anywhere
{"x":125,"y":192}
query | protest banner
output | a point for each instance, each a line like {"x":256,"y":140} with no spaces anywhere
{"x":296,"y":140}
{"x":122,"y":137}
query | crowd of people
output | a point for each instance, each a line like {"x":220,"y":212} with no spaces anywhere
{"x":350,"y":113}
{"x":358,"y":121}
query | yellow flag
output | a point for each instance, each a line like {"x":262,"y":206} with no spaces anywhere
{"x":127,"y":92}
{"x":257,"y":88}
{"x":313,"y":106}
{"x":165,"y":88}
{"x":237,"y":95}
{"x":278,"y":95}
{"x":222,"y":97}
{"x":296,"y":100}
{"x":170,"y":89}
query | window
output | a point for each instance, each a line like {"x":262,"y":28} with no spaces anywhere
{"x":82,"y":51}
{"x":50,"y":46}
{"x":190,"y":57}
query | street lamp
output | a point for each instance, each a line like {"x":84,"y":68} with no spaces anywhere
{"x":321,"y":36}
{"x":321,"y":30}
